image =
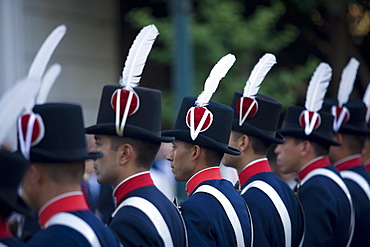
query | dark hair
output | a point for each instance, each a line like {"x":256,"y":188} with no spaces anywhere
{"x":146,"y":151}
{"x":64,"y":172}
{"x":319,"y":149}
{"x":212,"y":157}
{"x":355,"y":143}
{"x":259,"y":146}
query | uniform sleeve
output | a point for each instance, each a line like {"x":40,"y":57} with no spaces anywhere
{"x":135,"y":228}
{"x":320,"y":216}
{"x":198,"y":225}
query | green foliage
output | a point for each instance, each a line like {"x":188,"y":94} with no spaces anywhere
{"x":219,"y":27}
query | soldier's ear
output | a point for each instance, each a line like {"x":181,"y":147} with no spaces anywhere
{"x":338,"y":137}
{"x":195,"y":152}
{"x":243,"y":142}
{"x":125,"y":154}
{"x":305,"y":148}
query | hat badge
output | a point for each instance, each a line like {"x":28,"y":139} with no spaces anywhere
{"x":198,"y":119}
{"x":31,"y":131}
{"x":341,"y":116}
{"x":246,"y":107}
{"x":125,"y":103}
{"x":309,"y":120}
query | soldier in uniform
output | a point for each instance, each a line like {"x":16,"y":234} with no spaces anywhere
{"x":214,"y":213}
{"x":351,"y":132}
{"x":52,"y":138}
{"x":144,"y":216}
{"x":325,"y":198}
{"x":12,"y":168}
{"x":276,"y":213}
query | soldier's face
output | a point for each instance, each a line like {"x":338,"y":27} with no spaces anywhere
{"x":106,"y":167}
{"x":288,"y":156}
{"x":180,"y":157}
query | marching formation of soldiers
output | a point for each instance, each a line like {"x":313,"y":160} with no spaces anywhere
{"x":321,"y":142}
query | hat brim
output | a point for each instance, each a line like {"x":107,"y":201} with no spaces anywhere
{"x":201,"y":140}
{"x":315,"y":137}
{"x":352,"y":130}
{"x":129,"y":131}
{"x":248,"y":129}
{"x":18,"y":205}
{"x":61,"y":156}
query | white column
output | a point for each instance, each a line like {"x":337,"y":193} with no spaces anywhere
{"x":11,"y":42}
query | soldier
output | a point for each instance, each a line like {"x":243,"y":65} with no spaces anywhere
{"x":350,"y":129}
{"x":324,"y":196}
{"x":127,"y":159}
{"x":52,"y":138}
{"x":128,"y":132}
{"x":12,"y":168}
{"x":276,"y":213}
{"x":214,"y":213}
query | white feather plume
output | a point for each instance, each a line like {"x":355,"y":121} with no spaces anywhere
{"x":366,"y":100}
{"x":47,"y":82}
{"x":43,"y":56}
{"x":317,"y":87}
{"x":347,"y":80}
{"x":217,"y":73}
{"x":138,"y":53}
{"x":258,"y":74}
{"x":13,"y":101}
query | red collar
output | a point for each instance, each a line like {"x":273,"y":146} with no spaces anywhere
{"x":367,"y":165}
{"x":201,"y":176}
{"x":67,"y":202}
{"x":315,"y":164}
{"x":256,"y":166}
{"x":131,"y":183}
{"x":348,"y":162}
{"x":4,"y":230}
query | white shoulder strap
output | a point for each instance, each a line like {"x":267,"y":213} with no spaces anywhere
{"x":3,"y":245}
{"x":279,"y":205}
{"x":333,"y":176}
{"x":229,"y":210}
{"x":357,"y":178}
{"x":77,"y":224}
{"x":152,"y":213}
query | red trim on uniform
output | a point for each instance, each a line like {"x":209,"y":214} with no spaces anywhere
{"x":131,"y":184}
{"x":367,"y":165}
{"x":203,"y":175}
{"x":66,"y":203}
{"x":252,"y":169}
{"x":346,"y":164}
{"x":4,"y":229}
{"x":320,"y":163}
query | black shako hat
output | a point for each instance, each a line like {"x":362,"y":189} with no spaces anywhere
{"x":12,"y":168}
{"x":213,"y":134}
{"x":348,"y":119}
{"x":144,"y":117}
{"x":58,"y":134}
{"x":257,"y":118}
{"x":293,"y":125}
